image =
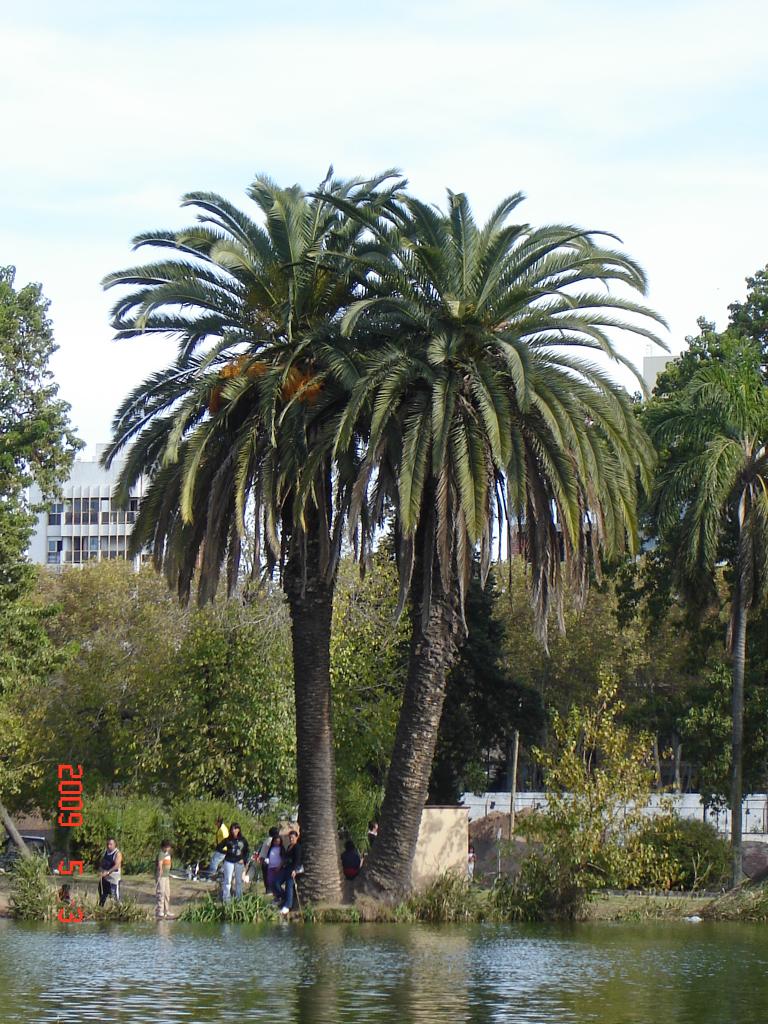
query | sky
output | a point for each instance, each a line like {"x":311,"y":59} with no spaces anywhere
{"x":647,"y":120}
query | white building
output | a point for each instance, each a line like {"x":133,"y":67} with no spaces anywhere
{"x":652,"y":367}
{"x":84,"y":525}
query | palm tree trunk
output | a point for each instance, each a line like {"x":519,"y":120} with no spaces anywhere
{"x":433,"y":651}
{"x":13,"y":832}
{"x":310,"y":599}
{"x":738,"y":658}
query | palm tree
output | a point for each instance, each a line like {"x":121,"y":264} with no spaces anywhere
{"x":712,"y":490}
{"x":233,"y":429}
{"x":482,"y":421}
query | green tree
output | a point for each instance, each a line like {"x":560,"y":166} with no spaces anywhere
{"x":237,"y":423}
{"x":701,"y":350}
{"x":750,"y":318}
{"x":478,"y":410}
{"x":485,"y":702}
{"x":369,"y":655}
{"x":592,"y":835}
{"x":166,"y":701}
{"x":37,"y":445}
{"x":711,"y":490}
{"x":707,"y":730}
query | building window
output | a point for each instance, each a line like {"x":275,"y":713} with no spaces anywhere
{"x":54,"y":552}
{"x":133,"y":508}
{"x":54,"y":513}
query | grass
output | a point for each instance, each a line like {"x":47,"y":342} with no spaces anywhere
{"x":34,"y":897}
{"x":250,"y":909}
{"x":31,"y":895}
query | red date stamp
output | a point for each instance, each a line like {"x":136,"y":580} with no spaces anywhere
{"x":70,"y":816}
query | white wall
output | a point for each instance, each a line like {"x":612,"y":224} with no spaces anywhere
{"x":687,"y":805}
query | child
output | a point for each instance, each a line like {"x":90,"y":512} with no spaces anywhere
{"x":163,"y":882}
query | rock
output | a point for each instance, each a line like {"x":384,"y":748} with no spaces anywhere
{"x":754,"y":859}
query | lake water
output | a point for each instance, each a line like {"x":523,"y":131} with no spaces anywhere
{"x":611,"y":974}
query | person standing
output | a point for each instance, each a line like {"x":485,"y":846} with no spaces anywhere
{"x":236,"y":853}
{"x":163,"y":881}
{"x":274,"y":860}
{"x":292,"y":866}
{"x":373,"y":832}
{"x":110,"y":865}
{"x":471,"y":861}
{"x":263,"y":855}
{"x":222,"y":833}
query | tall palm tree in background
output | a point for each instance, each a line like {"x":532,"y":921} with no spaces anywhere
{"x":239,"y":427}
{"x":484,"y":417}
{"x":712,"y":490}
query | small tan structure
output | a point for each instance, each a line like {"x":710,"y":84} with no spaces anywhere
{"x":441,"y":846}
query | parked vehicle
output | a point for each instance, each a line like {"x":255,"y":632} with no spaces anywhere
{"x":37,"y":845}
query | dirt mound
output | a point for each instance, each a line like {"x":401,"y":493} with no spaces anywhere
{"x":484,"y":836}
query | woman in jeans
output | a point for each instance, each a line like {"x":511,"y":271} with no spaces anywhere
{"x":236,"y":853}
{"x":274,"y":859}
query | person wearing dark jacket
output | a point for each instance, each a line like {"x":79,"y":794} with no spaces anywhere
{"x":351,"y":861}
{"x":292,"y":866}
{"x":236,"y":854}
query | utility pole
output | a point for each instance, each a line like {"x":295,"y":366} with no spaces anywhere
{"x":513,"y":793}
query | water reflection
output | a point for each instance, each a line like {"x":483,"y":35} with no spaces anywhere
{"x":316,"y":975}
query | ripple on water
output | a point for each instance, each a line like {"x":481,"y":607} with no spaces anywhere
{"x":533,"y":975}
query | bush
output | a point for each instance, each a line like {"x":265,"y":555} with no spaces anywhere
{"x":32,"y":898}
{"x":748,"y":902}
{"x":698,"y":856}
{"x":141,"y":823}
{"x":357,"y":801}
{"x":448,"y":899}
{"x":540,"y":892}
{"x":250,"y":909}
{"x":192,"y":827}
{"x":137,"y":823}
{"x":598,"y":779}
{"x":126,"y":910}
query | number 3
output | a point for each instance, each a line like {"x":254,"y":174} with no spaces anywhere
{"x":70,"y":918}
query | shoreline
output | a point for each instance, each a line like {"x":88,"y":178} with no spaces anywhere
{"x":629,"y":907}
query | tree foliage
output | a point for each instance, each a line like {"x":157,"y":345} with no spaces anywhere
{"x":37,"y":445}
{"x":598,"y":779}
{"x":486,"y":700}
{"x":164,"y":700}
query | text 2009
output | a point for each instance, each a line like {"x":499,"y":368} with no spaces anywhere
{"x":70,"y":816}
